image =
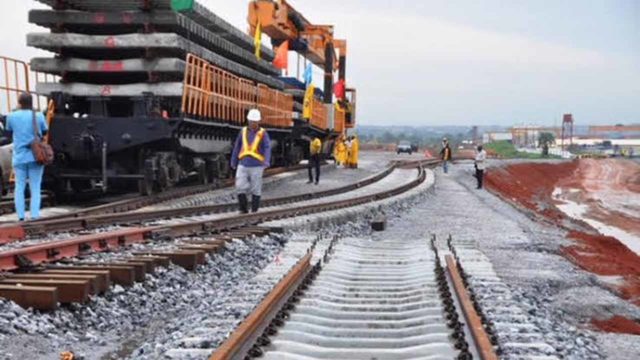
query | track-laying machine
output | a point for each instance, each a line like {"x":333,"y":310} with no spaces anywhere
{"x":153,"y":92}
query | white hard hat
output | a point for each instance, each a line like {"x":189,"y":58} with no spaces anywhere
{"x":254,"y":115}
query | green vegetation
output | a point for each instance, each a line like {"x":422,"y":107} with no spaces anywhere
{"x":545,"y":140}
{"x":506,"y":150}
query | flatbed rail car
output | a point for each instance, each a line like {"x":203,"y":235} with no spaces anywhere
{"x":152,"y":96}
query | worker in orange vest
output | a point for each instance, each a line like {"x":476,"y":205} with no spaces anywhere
{"x":251,"y":155}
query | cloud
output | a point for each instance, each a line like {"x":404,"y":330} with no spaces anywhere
{"x":411,"y":39}
{"x":415,"y":63}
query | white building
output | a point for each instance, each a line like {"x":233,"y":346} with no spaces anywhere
{"x":490,"y":137}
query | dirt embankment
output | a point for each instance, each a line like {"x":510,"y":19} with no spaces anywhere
{"x":608,"y":190}
{"x":531,"y":185}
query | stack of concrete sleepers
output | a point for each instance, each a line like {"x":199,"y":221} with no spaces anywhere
{"x":199,"y":14}
{"x":118,"y":48}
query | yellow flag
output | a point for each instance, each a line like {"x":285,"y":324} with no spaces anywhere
{"x":307,"y":105}
{"x":257,"y":41}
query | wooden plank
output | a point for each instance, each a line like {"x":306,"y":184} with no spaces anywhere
{"x":44,"y":298}
{"x":208,"y":248}
{"x":121,"y":275}
{"x":94,"y":286}
{"x":69,"y":291}
{"x":103,"y":277}
{"x":140,"y":269}
{"x":157,"y":260}
{"x":186,"y":259}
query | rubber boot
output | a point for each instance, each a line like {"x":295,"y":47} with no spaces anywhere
{"x":243,"y":203}
{"x":255,"y":203}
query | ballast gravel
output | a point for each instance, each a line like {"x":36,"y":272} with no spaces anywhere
{"x":111,"y":326}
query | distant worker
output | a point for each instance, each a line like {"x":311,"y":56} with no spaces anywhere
{"x":315,"y":153}
{"x":355,"y":149}
{"x":340,"y":152}
{"x":445,"y":153}
{"x":20,"y":125}
{"x":348,"y":144}
{"x":480,"y":164}
{"x":251,"y":155}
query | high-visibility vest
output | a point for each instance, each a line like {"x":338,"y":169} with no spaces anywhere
{"x":315,"y":146}
{"x":253,"y":149}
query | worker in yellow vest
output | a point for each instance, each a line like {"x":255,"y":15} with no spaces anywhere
{"x":315,"y":153}
{"x":251,"y":155}
{"x":353,"y":154}
{"x":340,"y":152}
{"x":348,"y":144}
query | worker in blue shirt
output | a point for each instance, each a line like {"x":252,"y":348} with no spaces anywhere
{"x":20,"y":127}
{"x":251,"y":155}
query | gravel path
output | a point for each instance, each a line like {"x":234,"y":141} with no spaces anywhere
{"x":525,"y":256}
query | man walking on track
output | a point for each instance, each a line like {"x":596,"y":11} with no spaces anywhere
{"x":481,"y":157}
{"x":251,"y":155}
{"x":315,"y":150}
{"x":24,"y":125}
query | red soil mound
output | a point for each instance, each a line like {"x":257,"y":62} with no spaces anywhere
{"x":617,"y":324}
{"x":602,"y":255}
{"x":531,"y":185}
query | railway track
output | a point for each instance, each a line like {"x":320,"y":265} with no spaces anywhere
{"x":128,"y":203}
{"x":388,"y":299}
{"x":191,"y":240}
{"x":76,"y":223}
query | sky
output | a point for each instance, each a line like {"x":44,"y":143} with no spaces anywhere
{"x":462,"y":62}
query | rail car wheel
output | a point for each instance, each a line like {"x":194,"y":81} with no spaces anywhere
{"x":146,"y":187}
{"x":204,"y":177}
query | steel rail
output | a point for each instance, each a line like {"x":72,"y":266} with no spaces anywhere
{"x":85,"y":218}
{"x":29,"y":256}
{"x":474,"y":323}
{"x":142,"y":201}
{"x":72,"y":224}
{"x":253,"y":333}
{"x":239,"y":342}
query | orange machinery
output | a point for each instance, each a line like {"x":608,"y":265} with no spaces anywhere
{"x":282,"y":22}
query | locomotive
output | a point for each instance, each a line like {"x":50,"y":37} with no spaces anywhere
{"x":150,"y":96}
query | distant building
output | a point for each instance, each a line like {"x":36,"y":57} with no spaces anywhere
{"x":527,"y":136}
{"x":615,"y":131}
{"x":490,"y":137}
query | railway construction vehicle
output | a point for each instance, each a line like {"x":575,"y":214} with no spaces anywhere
{"x":154,"y":92}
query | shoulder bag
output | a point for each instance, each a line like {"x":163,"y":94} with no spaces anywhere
{"x":42,"y":152}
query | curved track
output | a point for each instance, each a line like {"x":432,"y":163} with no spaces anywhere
{"x":95,"y":221}
{"x":30,"y":257}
